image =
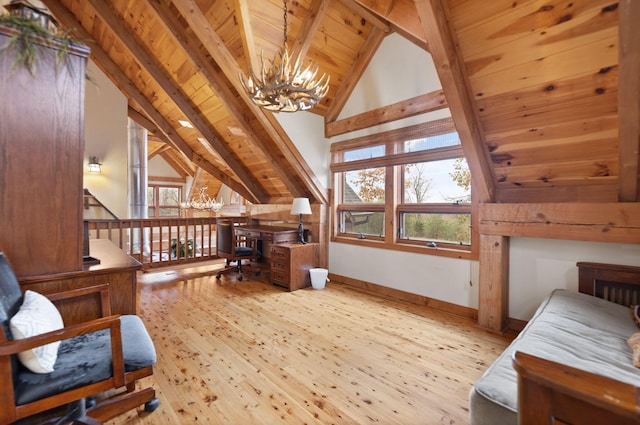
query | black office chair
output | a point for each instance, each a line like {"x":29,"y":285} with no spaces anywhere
{"x":234,"y":248}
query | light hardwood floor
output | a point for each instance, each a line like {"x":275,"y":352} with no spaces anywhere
{"x":233,"y":352}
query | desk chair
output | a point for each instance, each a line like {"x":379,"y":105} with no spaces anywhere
{"x":93,"y":357}
{"x":234,"y":248}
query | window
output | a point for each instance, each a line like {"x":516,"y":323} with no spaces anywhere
{"x":163,"y":201}
{"x":406,"y":189}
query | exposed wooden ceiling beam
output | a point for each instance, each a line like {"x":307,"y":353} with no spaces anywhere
{"x":310,"y":25}
{"x":175,"y":93}
{"x":221,"y":55}
{"x":243,"y":18}
{"x":156,"y":122}
{"x":228,"y":95}
{"x":369,"y":16}
{"x":450,"y":67}
{"x":407,"y":108}
{"x":400,"y":15}
{"x":629,"y":101}
{"x":358,"y":67}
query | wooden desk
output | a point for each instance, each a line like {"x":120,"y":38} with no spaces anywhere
{"x":269,"y":234}
{"x":116,"y":268}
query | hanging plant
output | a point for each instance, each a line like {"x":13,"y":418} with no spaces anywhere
{"x":29,"y":40}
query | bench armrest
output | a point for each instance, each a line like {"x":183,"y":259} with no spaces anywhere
{"x":549,"y":390}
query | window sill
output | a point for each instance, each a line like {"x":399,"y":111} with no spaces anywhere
{"x":465,"y":254}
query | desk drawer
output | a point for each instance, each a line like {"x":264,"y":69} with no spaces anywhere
{"x":252,"y":234}
{"x":278,"y":264}
{"x":280,"y":278}
{"x":280,"y":254}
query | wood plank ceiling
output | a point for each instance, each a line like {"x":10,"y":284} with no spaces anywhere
{"x":532,"y":86}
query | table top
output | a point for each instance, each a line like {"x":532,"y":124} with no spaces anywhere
{"x":267,"y":228}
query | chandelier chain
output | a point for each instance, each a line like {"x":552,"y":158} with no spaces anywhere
{"x":285,"y":22}
{"x":285,"y":84}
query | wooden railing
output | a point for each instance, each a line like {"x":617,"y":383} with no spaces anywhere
{"x":160,"y":242}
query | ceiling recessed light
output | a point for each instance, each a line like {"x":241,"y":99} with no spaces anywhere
{"x":236,"y":131}
{"x":185,"y":123}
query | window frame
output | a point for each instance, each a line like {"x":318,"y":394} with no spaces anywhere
{"x":156,"y":198}
{"x":394,"y":206}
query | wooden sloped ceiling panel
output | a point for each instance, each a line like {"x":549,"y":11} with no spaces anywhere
{"x":339,"y":37}
{"x":236,"y":125}
{"x":544,"y":78}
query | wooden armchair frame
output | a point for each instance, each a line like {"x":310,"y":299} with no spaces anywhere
{"x":103,"y":411}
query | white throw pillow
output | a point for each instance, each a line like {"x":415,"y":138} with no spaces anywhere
{"x":36,"y":316}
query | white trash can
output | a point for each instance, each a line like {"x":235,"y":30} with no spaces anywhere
{"x":319,"y":278}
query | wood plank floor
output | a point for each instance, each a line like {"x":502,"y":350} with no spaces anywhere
{"x":247,"y":352}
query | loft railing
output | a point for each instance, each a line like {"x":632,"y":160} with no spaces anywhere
{"x":160,"y":242}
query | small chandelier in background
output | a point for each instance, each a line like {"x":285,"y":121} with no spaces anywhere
{"x":285,"y":86}
{"x":201,"y":201}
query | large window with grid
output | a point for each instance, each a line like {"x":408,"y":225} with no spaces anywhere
{"x":406,"y":189}
{"x":163,"y":201}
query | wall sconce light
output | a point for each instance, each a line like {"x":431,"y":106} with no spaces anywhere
{"x":94,"y":165}
{"x":300,"y":206}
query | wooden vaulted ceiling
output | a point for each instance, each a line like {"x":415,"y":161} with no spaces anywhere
{"x":532,"y":85}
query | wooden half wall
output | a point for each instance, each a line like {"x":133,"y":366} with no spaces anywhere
{"x":616,"y":222}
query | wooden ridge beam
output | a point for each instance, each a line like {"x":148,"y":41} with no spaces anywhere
{"x":407,"y":108}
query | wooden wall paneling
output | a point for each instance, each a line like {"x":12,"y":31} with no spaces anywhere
{"x":606,"y":193}
{"x":42,"y":146}
{"x":565,"y":173}
{"x":504,"y":26}
{"x":493,"y":291}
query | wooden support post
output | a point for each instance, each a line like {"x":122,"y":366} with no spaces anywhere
{"x":493,"y":301}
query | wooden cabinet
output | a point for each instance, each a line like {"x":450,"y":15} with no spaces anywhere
{"x":290,"y":264}
{"x":41,"y":151}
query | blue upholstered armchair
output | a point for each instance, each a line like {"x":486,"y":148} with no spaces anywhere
{"x":44,"y":364}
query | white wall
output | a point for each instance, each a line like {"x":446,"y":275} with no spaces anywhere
{"x":306,"y":131}
{"x":105,"y":131}
{"x":158,"y":167}
{"x":536,"y":265}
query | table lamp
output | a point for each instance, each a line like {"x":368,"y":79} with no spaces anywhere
{"x":300,"y":206}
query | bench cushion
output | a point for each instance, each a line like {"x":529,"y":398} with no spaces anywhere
{"x":571,"y":328}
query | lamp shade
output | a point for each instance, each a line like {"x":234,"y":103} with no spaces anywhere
{"x":300,"y":206}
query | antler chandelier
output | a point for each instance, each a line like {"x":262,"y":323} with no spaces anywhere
{"x":283,"y":86}
{"x":201,"y":201}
